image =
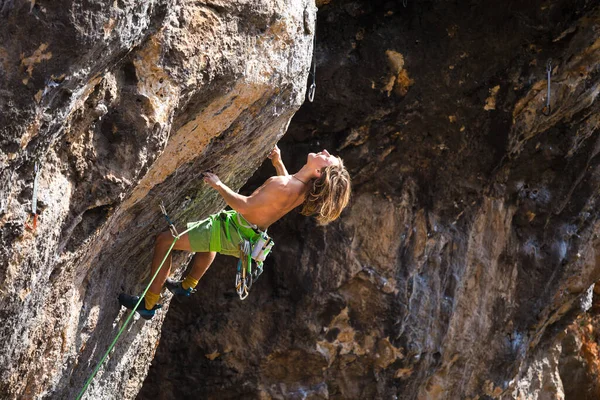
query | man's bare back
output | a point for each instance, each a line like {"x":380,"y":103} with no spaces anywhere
{"x":281,"y":195}
{"x":278,"y":195}
{"x":275,"y":198}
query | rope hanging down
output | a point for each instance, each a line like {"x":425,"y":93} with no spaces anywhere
{"x":251,"y":250}
{"x":112,"y":345}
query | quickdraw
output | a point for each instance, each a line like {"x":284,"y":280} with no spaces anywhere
{"x":250,"y":264}
{"x":547,"y":110}
{"x":313,"y":87}
{"x":172,"y":228}
{"x":243,"y":277}
{"x":34,"y":214}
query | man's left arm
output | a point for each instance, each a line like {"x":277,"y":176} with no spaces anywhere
{"x":277,"y":162}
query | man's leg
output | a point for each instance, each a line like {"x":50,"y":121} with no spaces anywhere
{"x":200,"y":264}
{"x":163,"y":242}
{"x":162,"y":245}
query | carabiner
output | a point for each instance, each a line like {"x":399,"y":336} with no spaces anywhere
{"x":311,"y":92}
{"x":172,"y":228}
{"x":548,"y":110}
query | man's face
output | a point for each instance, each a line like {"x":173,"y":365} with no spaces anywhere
{"x":321,"y":159}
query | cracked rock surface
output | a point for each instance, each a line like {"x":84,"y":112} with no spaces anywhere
{"x":122,"y":104}
{"x":461,"y":270}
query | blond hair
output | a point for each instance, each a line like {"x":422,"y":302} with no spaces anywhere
{"x":329,"y":194}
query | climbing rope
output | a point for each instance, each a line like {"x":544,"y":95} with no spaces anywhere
{"x":112,"y":345}
{"x":313,"y":87}
{"x":244,"y":278}
{"x":547,"y":110}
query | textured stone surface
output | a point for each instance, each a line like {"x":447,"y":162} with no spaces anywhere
{"x":462,"y":262}
{"x":122,"y":104}
{"x":579,"y":363}
{"x":472,"y":233}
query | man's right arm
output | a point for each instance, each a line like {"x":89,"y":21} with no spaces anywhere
{"x":234,"y":200}
{"x":268,"y":193}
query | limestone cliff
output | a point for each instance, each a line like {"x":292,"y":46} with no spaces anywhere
{"x":121,"y":104}
{"x":461,"y":270}
{"x":473,"y":231}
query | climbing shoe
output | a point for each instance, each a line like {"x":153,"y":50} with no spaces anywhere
{"x":175,"y":287}
{"x":129,"y":302}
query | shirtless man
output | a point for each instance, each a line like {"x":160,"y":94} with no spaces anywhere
{"x":322,"y":186}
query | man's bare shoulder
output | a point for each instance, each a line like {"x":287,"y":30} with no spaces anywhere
{"x":273,"y":184}
{"x":277,"y":181}
{"x":280,"y":186}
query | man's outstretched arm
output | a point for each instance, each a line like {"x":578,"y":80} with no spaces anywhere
{"x":240,"y":203}
{"x":275,"y":157}
{"x":234,"y":200}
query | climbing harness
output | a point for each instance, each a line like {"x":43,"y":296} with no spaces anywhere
{"x":254,"y":247}
{"x":250,"y":264}
{"x":257,"y":247}
{"x":547,"y":110}
{"x":34,"y":214}
{"x":313,"y":87}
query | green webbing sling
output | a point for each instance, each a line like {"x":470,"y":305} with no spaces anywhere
{"x":230,"y":220}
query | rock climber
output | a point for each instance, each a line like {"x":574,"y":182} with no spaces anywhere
{"x":321,"y":186}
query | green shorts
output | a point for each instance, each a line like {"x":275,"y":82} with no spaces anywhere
{"x":231,"y":233}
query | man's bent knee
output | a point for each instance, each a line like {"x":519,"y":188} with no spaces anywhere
{"x":164,"y":239}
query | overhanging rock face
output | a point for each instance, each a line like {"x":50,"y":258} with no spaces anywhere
{"x":122,"y":104}
{"x":473,"y":229}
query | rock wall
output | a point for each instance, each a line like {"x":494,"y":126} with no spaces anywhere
{"x":121,"y":104}
{"x":471,"y":239}
{"x":473,"y":229}
{"x":579,"y":357}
